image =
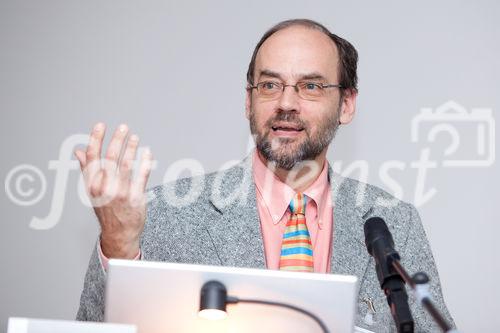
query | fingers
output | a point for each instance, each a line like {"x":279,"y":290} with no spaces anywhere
{"x":129,"y":156}
{"x":106,"y":178}
{"x":95,"y":143}
{"x":139,"y":184}
{"x":92,"y":181}
{"x":110,"y":181}
{"x":81,"y":157}
{"x":92,"y":164}
{"x":116,"y":144}
{"x":95,"y":185}
{"x":127,"y":163}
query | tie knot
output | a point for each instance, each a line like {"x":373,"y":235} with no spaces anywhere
{"x":298,"y":204}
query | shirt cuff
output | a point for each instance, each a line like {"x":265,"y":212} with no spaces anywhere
{"x":105,"y":260}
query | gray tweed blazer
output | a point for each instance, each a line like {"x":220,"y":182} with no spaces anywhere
{"x":213,"y":220}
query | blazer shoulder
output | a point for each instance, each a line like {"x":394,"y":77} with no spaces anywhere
{"x":196,"y":191}
{"x":370,"y":195}
{"x":180,"y":187}
{"x":375,"y":201}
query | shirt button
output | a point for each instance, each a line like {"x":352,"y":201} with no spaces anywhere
{"x":276,"y":217}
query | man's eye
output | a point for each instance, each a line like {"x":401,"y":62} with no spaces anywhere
{"x":269,"y":85}
{"x":311,"y":86}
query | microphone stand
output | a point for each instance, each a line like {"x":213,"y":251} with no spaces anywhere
{"x":393,"y":286}
{"x":420,"y":286}
{"x":392,"y":277}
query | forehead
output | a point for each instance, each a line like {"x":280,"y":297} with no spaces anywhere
{"x":297,"y":51}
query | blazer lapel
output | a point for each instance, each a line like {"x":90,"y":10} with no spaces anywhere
{"x":349,"y":254}
{"x":236,"y":235}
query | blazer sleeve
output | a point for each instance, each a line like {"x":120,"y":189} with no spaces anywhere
{"x":416,"y":256}
{"x":92,"y":298}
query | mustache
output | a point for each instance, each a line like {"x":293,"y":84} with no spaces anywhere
{"x":288,"y":117}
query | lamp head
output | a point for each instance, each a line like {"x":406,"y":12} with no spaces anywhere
{"x":213,"y":300}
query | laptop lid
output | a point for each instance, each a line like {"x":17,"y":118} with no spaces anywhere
{"x":165,"y":297}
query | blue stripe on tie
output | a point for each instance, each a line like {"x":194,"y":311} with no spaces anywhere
{"x":296,"y":250}
{"x":296,"y":233}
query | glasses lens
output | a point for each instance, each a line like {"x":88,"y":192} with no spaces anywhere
{"x":269,"y":89}
{"x":310,"y":90}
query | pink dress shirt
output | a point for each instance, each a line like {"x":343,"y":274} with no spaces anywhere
{"x":273,"y":198}
{"x":105,"y":260}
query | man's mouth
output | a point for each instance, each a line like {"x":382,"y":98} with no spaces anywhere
{"x":287,"y":128}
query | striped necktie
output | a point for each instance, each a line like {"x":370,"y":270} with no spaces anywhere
{"x":296,"y":248}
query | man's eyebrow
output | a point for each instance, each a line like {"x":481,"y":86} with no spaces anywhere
{"x":267,"y":72}
{"x":308,"y":76}
{"x":312,"y":76}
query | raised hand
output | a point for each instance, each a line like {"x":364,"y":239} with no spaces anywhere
{"x":118,"y":198}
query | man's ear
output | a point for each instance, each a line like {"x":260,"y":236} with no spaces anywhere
{"x":348,"y":106}
{"x":248,"y":103}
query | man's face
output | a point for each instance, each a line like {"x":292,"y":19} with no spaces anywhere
{"x":290,"y":129}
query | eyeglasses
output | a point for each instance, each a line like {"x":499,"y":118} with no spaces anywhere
{"x":305,"y":90}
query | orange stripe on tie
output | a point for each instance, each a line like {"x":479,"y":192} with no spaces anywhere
{"x":296,"y":254}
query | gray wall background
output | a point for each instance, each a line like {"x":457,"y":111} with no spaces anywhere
{"x":160,"y":66}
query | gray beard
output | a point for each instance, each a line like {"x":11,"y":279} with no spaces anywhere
{"x":280,"y":150}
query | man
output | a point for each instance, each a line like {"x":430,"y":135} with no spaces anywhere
{"x":302,"y":85}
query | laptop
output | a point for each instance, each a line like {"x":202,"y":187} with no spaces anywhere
{"x":165,"y":297}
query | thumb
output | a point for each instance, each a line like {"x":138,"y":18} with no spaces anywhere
{"x":81,"y":157}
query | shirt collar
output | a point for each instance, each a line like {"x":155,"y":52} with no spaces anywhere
{"x":277,"y":195}
{"x":318,"y":192}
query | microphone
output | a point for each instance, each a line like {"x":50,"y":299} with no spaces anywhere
{"x":380,"y":246}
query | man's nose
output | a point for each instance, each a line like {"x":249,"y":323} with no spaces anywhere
{"x":289,"y":100}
